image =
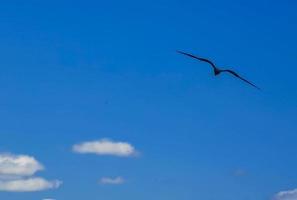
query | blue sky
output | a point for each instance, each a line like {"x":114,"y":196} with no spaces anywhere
{"x":81,"y":71}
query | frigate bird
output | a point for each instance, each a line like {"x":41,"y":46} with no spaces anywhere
{"x":217,"y":70}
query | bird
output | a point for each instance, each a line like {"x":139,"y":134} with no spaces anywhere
{"x":217,"y":70}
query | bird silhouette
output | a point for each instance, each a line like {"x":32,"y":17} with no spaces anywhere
{"x":217,"y":70}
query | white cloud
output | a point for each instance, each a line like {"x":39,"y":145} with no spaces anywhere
{"x":28,"y":185}
{"x":16,"y":173}
{"x":105,"y":147}
{"x":20,"y":165}
{"x":112,"y":181}
{"x":48,"y":199}
{"x":286,"y":195}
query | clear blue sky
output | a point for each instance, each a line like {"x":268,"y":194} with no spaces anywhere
{"x":75,"y":71}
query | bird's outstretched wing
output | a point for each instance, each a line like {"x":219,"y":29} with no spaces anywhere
{"x":201,"y":59}
{"x":235,"y":74}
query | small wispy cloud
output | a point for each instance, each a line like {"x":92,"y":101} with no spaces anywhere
{"x":48,"y":199}
{"x":286,"y":195}
{"x":105,"y":147}
{"x":112,"y":181}
{"x":240,"y":173}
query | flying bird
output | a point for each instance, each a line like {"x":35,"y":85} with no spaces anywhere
{"x":217,"y":70}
